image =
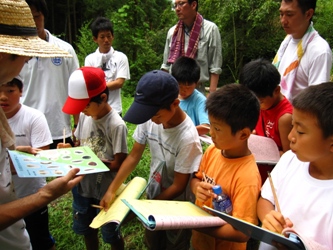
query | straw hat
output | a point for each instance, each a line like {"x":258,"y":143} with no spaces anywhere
{"x":18,"y":33}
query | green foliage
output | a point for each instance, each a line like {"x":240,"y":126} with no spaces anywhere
{"x":244,"y":26}
{"x":95,"y":8}
{"x":249,"y":29}
{"x":140,"y":34}
{"x":86,"y":45}
{"x":140,"y":29}
{"x":323,"y":20}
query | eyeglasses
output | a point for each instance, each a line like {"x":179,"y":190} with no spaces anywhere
{"x":179,"y":4}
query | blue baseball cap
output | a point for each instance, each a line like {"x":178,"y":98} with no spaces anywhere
{"x":155,"y":89}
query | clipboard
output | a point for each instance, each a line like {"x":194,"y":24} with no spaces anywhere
{"x":258,"y":233}
{"x":118,"y":210}
{"x":171,"y":214}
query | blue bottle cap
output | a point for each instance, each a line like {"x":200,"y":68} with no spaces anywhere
{"x":217,"y":189}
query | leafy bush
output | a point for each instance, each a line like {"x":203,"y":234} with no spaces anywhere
{"x":140,"y":29}
{"x":86,"y":45}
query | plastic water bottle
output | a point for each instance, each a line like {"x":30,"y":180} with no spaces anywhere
{"x":222,"y":202}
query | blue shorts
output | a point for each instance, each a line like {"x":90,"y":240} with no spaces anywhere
{"x":37,"y":225}
{"x":83,"y":215}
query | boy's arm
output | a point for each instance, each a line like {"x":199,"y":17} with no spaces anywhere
{"x":201,"y":190}
{"x":188,"y":156}
{"x":213,"y":81}
{"x":122,"y":73}
{"x":115,"y":164}
{"x":176,"y":188}
{"x":116,"y":84}
{"x":203,"y":129}
{"x":271,"y":219}
{"x":125,"y":169}
{"x":26,"y":149}
{"x":12,"y":168}
{"x":263,"y":207}
{"x":284,"y":130}
{"x":225,"y":232}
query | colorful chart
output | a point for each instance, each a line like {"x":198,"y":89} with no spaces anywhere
{"x":56,"y":162}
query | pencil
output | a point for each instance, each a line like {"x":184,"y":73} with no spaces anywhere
{"x":97,"y":206}
{"x":204,"y":176}
{"x":64,"y":136}
{"x":274,"y":193}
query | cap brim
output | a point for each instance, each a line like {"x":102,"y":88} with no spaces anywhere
{"x":140,"y":113}
{"x":75,"y":106}
{"x":30,"y":46}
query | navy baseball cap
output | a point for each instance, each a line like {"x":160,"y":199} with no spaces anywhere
{"x":155,"y":89}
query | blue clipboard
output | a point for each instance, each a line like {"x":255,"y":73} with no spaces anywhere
{"x":258,"y":233}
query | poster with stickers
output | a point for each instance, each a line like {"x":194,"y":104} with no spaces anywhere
{"x":56,"y":162}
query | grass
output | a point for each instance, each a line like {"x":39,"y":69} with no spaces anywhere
{"x":60,"y":211}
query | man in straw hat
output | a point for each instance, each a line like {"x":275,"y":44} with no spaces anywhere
{"x":18,"y":43}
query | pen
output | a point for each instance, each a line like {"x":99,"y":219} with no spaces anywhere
{"x":204,"y":176}
{"x":97,"y":206}
{"x":64,"y":136}
{"x":274,"y":193}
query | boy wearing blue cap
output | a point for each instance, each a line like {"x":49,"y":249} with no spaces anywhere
{"x":174,"y":145}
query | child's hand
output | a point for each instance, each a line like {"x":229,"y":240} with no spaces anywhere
{"x":63,"y":145}
{"x":275,"y":222}
{"x":28,"y":149}
{"x":107,"y":200}
{"x":204,"y":191}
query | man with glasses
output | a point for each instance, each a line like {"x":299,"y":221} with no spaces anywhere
{"x":196,"y":38}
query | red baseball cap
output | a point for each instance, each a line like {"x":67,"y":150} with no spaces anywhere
{"x":83,"y":84}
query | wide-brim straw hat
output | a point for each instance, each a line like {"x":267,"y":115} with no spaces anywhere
{"x":18,"y":33}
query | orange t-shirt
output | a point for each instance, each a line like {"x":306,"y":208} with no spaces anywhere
{"x":240,"y":180}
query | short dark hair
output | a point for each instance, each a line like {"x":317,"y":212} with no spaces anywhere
{"x":260,"y":76}
{"x":186,"y":70}
{"x":16,"y":82}
{"x":317,"y":100}
{"x":40,"y":6}
{"x":191,"y":1}
{"x":98,"y":98}
{"x":305,"y":5}
{"x":235,"y":105}
{"x":101,"y":24}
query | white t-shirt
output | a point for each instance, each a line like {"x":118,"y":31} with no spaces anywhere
{"x":315,"y":66}
{"x":30,"y":128}
{"x":306,"y":201}
{"x":115,"y":66}
{"x":45,"y":87}
{"x":177,"y":149}
{"x":14,"y":237}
